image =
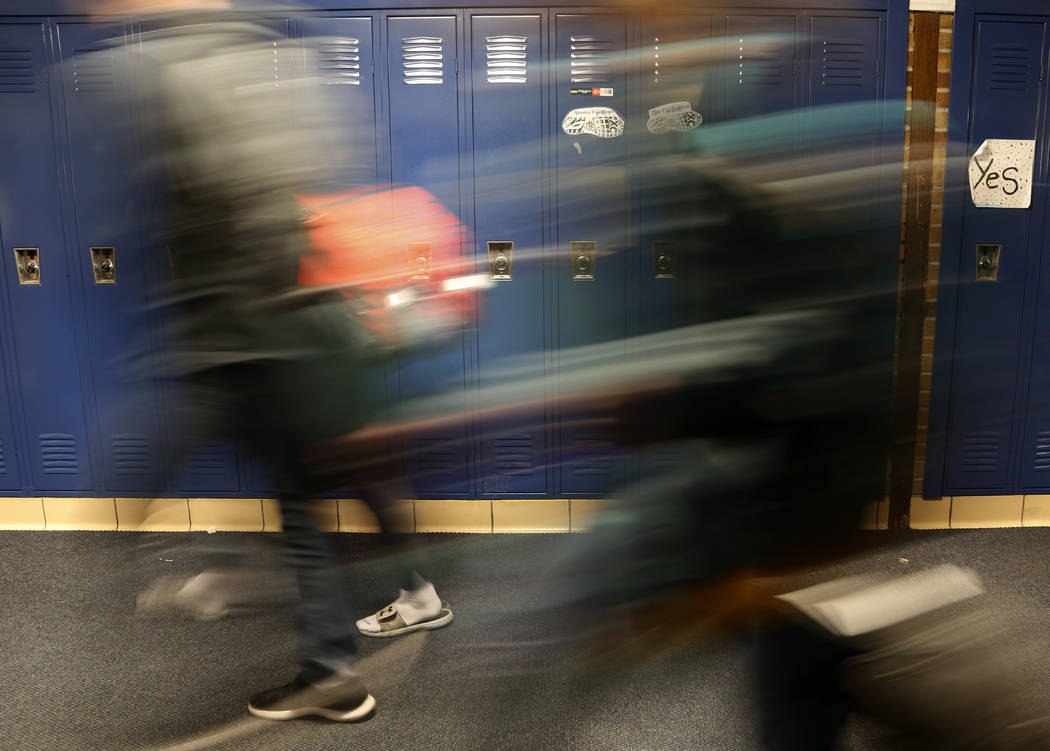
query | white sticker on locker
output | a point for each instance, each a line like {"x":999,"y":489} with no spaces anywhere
{"x":605,"y":92}
{"x":602,"y":122}
{"x":1000,"y":174}
{"x":673,"y":116}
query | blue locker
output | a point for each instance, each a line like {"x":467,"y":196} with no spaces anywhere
{"x":109,"y":265}
{"x":424,"y":122}
{"x":220,"y":467}
{"x":591,"y":226}
{"x":342,"y":50}
{"x":10,"y":472}
{"x":669,"y":75}
{"x":43,"y":345}
{"x":507,"y":100}
{"x":1004,"y":103}
{"x":761,"y":65}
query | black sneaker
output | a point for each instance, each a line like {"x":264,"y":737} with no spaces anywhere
{"x":339,"y":698}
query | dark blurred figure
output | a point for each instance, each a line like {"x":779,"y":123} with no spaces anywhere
{"x":226,"y":155}
{"x":768,"y":460}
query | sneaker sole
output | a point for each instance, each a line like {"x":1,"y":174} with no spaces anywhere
{"x":360,"y":712}
{"x":439,"y":622}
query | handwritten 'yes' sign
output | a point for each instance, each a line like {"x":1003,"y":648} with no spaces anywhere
{"x":1000,"y":174}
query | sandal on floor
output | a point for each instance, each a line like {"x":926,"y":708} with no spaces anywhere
{"x":389,"y":622}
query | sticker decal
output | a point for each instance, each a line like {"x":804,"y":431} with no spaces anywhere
{"x":591,"y":91}
{"x":602,"y":122}
{"x":1000,"y":174}
{"x":678,"y":116}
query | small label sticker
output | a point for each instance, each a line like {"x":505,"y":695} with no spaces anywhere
{"x":591,"y":91}
{"x":1000,"y":173}
{"x":678,"y":116}
{"x":602,"y":122}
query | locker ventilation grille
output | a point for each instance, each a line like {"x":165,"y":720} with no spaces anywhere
{"x":593,"y":458}
{"x":435,"y":456}
{"x":980,"y":452}
{"x":3,"y":462}
{"x":506,"y":59}
{"x":16,"y":71}
{"x":843,"y":63}
{"x":422,"y":61}
{"x":513,"y":454}
{"x":209,"y":459}
{"x":1042,"y":452}
{"x":759,"y":63}
{"x":1011,"y":67}
{"x":589,"y":59}
{"x":340,"y":62}
{"x":131,"y":454}
{"x":270,"y":64}
{"x":58,"y":452}
{"x":92,"y":70}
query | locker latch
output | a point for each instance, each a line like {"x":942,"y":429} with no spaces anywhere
{"x":663,"y":260}
{"x":419,"y":260}
{"x":584,"y":257}
{"x":501,"y":259}
{"x":988,"y":262}
{"x":104,"y":264}
{"x":27,"y":261}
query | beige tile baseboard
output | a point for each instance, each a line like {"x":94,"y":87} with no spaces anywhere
{"x":980,"y":512}
{"x":456,"y":515}
{"x":264,"y":515}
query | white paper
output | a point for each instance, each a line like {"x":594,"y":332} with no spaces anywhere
{"x":1000,"y":174}
{"x":941,"y":6}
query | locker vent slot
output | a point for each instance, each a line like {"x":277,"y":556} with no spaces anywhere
{"x":1042,"y":452}
{"x":593,"y":456}
{"x":1011,"y":67}
{"x":16,"y":71}
{"x":980,"y":451}
{"x":506,"y":59}
{"x":270,"y":65}
{"x":209,"y":459}
{"x":58,"y":452}
{"x":3,"y":461}
{"x":759,"y":63}
{"x":513,"y":454}
{"x":589,"y":59}
{"x":422,"y":61}
{"x":435,"y":456}
{"x":92,"y":70}
{"x":131,"y":454}
{"x":340,"y":62}
{"x":843,"y":63}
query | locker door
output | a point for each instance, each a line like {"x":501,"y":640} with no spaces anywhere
{"x":507,"y":95}
{"x":760,"y":65}
{"x":220,"y":466}
{"x":342,"y":50}
{"x":670,"y":78}
{"x":422,"y":74}
{"x":988,"y":346}
{"x":10,"y":473}
{"x":591,"y":203}
{"x":109,"y":263}
{"x":43,"y":344}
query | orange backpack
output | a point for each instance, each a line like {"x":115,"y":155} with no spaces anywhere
{"x":397,"y":255}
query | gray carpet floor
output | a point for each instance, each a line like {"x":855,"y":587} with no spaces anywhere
{"x":81,"y":671}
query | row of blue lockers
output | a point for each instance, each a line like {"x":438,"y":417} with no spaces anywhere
{"x":490,"y":140}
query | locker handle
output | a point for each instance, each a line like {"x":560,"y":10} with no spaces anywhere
{"x":104,"y":264}
{"x":27,"y":262}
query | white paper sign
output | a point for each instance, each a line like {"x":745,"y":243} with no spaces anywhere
{"x":1000,"y":174}
{"x":942,"y":6}
{"x":673,"y":116}
{"x":603,"y":122}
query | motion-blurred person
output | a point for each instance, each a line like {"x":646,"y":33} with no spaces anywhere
{"x":227,"y":156}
